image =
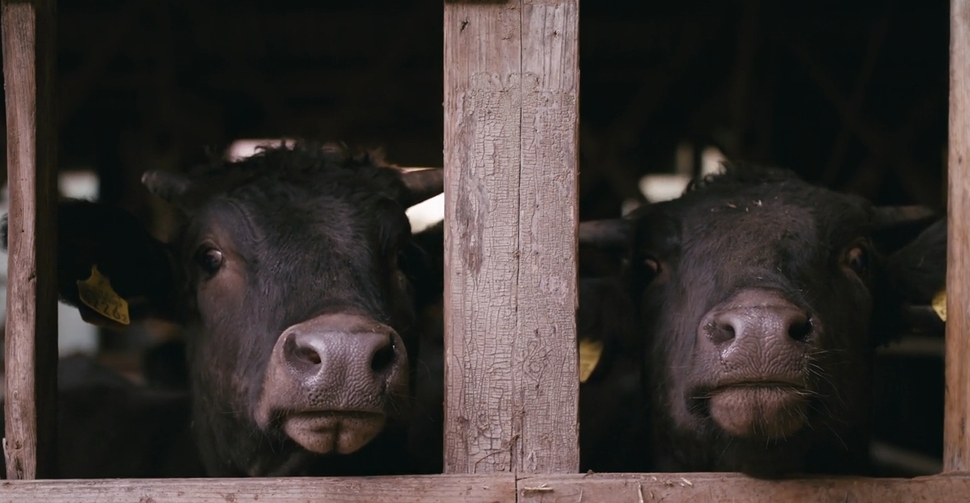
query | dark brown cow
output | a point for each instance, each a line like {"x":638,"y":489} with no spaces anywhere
{"x":761,"y":299}
{"x":294,"y":277}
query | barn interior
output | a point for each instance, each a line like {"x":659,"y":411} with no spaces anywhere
{"x":851,"y":95}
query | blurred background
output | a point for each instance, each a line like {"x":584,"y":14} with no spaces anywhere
{"x":850,"y":94}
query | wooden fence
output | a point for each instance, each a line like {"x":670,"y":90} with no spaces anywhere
{"x":511,"y":117}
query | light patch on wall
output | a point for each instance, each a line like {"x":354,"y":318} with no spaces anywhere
{"x":663,"y":187}
{"x":78,"y":185}
{"x":712,"y":160}
{"x":659,"y":187}
{"x":426,"y":213}
{"x":241,"y":149}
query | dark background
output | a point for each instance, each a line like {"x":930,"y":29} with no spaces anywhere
{"x":852,"y":94}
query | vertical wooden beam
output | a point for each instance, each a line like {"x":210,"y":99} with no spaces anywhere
{"x":956,"y":429}
{"x":31,"y":331}
{"x":511,"y":108}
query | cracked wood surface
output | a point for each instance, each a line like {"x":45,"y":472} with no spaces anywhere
{"x":511,"y":89}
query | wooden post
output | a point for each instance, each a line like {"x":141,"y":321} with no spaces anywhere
{"x":31,"y":331}
{"x":956,"y":428}
{"x":511,"y":108}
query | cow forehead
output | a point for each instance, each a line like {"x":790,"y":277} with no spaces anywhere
{"x":299,"y":234}
{"x":744,"y":228}
{"x":768,"y":215}
{"x":753,"y":236}
{"x":312,"y":211}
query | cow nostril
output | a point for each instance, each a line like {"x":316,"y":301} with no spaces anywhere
{"x":382,"y":357}
{"x":722,"y":332}
{"x":800,"y":329}
{"x":307,"y":354}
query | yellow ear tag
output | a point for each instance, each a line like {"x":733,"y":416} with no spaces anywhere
{"x":939,"y":304}
{"x":96,"y":293}
{"x":589,"y":355}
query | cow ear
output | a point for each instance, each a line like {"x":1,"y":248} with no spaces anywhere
{"x":895,"y":226}
{"x":918,"y":269}
{"x":110,"y":267}
{"x":423,"y":184}
{"x":606,"y":313}
{"x":606,"y":234}
{"x":916,"y":274}
{"x":424,"y":264}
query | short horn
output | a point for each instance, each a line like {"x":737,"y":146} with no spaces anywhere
{"x":613,"y":233}
{"x":423,"y":183}
{"x":888,"y":216}
{"x":165,"y":184}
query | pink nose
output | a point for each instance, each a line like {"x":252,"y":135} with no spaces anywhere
{"x":324,"y":355}
{"x":758,"y":318}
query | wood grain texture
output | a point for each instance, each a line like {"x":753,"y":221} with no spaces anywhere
{"x":511,"y":87}
{"x":31,"y":326}
{"x":736,"y":488}
{"x":956,"y":427}
{"x":424,"y":489}
{"x":604,"y":488}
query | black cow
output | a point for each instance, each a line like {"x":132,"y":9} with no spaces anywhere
{"x":294,"y":277}
{"x":761,"y":299}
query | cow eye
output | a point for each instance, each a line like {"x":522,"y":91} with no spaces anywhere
{"x":650,"y":269}
{"x":857,"y":260}
{"x":210,"y":259}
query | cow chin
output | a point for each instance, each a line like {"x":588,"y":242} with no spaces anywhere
{"x":333,"y":432}
{"x":764,"y":412}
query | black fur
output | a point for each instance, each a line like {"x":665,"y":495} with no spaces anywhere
{"x":759,"y":226}
{"x":306,"y":230}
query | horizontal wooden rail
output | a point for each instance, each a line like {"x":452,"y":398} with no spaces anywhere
{"x":497,"y":487}
{"x":730,"y":487}
{"x":437,"y":488}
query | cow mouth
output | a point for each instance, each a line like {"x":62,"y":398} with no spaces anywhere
{"x":758,"y":409}
{"x":325,"y":432}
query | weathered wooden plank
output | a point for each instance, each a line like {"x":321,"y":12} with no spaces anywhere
{"x":605,"y":488}
{"x":956,"y":429}
{"x":729,"y":487}
{"x":31,"y":326}
{"x":545,"y":341}
{"x":511,"y":125}
{"x":482,"y":107}
{"x":424,"y":489}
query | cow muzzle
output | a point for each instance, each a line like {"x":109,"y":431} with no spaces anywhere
{"x":754,"y":353}
{"x":332,"y":382}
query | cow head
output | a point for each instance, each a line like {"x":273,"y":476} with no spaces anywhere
{"x":762,"y":299}
{"x":293,"y":275}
